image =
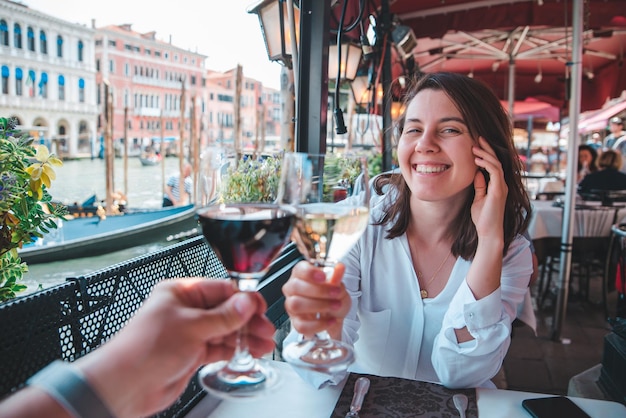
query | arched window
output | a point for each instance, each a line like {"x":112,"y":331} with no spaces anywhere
{"x":43,"y":42}
{"x":81,"y":90}
{"x":80,"y":51}
{"x":17,"y":36}
{"x":4,"y":33}
{"x":30,"y":39}
{"x":5,"y":79}
{"x":60,"y":46}
{"x":61,"y":84}
{"x":18,"y":81}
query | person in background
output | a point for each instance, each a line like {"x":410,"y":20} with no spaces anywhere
{"x":172,"y":188}
{"x":431,"y":288}
{"x":595,"y":141}
{"x":608,"y":176}
{"x":587,"y":156}
{"x":184,"y":324}
{"x":616,"y":126}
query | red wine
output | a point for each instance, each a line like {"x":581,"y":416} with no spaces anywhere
{"x":246,"y":237}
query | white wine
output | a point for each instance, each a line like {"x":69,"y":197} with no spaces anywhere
{"x":325,"y":232}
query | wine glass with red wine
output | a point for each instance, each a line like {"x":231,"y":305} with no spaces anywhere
{"x":246,"y":235}
{"x":329,"y":221}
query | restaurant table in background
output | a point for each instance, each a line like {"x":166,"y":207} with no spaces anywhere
{"x":546,"y":220}
{"x":295,"y":398}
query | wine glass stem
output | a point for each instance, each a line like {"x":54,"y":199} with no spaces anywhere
{"x":324,"y":336}
{"x":242,"y":360}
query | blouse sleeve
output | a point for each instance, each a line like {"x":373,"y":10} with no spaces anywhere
{"x":488,"y":320}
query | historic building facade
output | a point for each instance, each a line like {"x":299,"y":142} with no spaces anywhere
{"x":48,"y":78}
{"x":54,"y":75}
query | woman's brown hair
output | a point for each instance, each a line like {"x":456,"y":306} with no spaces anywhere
{"x":484,"y":116}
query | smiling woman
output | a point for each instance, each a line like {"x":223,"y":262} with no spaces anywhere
{"x":442,"y":311}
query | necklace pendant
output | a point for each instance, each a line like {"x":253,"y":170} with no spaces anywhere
{"x":423,"y":294}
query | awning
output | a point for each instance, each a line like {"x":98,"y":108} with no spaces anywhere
{"x":599,"y":119}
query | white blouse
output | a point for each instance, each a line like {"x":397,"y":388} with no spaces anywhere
{"x":397,"y":333}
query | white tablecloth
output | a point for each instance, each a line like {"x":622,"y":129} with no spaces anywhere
{"x":546,"y":220}
{"x":295,"y":398}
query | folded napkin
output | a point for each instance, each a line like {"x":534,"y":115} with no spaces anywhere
{"x":393,"y":397}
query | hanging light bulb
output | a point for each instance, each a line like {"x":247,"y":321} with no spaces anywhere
{"x":539,"y":75}
{"x":471,"y":74}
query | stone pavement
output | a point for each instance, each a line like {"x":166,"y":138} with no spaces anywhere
{"x":536,"y":363}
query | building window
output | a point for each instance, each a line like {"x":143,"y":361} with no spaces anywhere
{"x":80,"y":51}
{"x":17,"y":36}
{"x":30,"y":83}
{"x":112,"y":43}
{"x":111,"y":66}
{"x":61,"y":88}
{"x":127,"y":69}
{"x":18,"y":81}
{"x":81,"y":90}
{"x":60,"y":46}
{"x":97,"y":65}
{"x":5,"y":79}
{"x":4,"y":33}
{"x":43,"y":85}
{"x":43,"y":42}
{"x":30,"y":39}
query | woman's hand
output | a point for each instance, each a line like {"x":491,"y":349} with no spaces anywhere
{"x":488,"y":216}
{"x":490,"y":199}
{"x":315,"y":304}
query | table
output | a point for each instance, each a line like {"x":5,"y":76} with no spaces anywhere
{"x":297,"y":399}
{"x":546,"y":220}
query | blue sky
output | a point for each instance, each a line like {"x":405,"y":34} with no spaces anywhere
{"x":221,"y":29}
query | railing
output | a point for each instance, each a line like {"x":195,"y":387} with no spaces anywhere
{"x":69,"y":320}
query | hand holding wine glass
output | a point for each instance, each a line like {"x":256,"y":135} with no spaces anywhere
{"x":246,"y":235}
{"x":324,"y":232}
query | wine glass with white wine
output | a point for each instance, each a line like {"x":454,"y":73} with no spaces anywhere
{"x":327,"y":226}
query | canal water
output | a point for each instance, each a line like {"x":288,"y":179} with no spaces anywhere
{"x":76,"y":181}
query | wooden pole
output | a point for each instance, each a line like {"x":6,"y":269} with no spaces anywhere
{"x":237,"y":113}
{"x":194,"y":145}
{"x":108,"y":148}
{"x":162,"y":152}
{"x":126,"y":150}
{"x":181,"y":142}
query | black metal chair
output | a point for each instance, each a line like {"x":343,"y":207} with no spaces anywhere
{"x":615,"y":273}
{"x":589,"y":249}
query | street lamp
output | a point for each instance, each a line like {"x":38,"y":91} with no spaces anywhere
{"x":276,"y":29}
{"x":349,"y":65}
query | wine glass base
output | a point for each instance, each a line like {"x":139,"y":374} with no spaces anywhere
{"x":319,"y":355}
{"x":224,"y":382}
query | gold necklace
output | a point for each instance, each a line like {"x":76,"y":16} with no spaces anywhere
{"x":423,"y":291}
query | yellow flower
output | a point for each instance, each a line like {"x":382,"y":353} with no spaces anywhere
{"x":41,"y":172}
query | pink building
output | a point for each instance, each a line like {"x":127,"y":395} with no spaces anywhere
{"x":147,"y":77}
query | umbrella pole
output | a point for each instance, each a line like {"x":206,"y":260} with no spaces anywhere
{"x":570,"y":191}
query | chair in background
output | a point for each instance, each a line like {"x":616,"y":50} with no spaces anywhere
{"x":615,"y":273}
{"x":592,"y":235}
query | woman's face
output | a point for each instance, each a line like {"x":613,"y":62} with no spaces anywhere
{"x":585,"y":157}
{"x":435,"y":149}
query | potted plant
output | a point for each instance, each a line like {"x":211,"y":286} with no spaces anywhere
{"x":26,"y":210}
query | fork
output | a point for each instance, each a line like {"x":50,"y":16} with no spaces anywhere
{"x":361,"y":387}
